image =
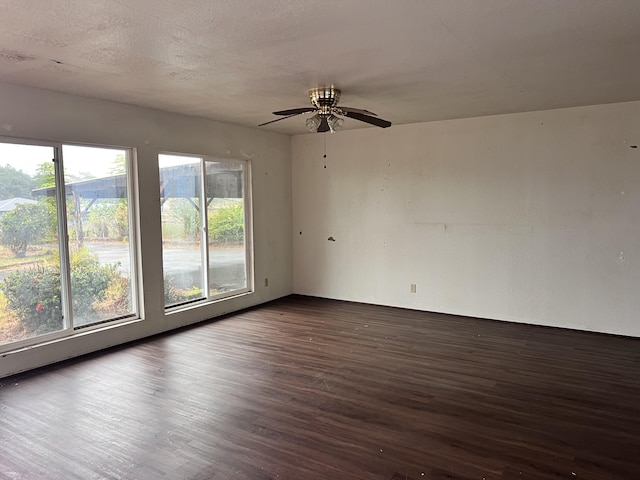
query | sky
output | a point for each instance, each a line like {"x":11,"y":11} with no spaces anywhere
{"x":96,"y":161}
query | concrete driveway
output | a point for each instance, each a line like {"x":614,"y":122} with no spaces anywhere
{"x":182,"y":264}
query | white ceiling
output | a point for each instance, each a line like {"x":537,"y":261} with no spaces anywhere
{"x":407,"y":60}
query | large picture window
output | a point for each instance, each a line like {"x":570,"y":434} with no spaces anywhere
{"x":206,"y":245}
{"x":66,"y":256}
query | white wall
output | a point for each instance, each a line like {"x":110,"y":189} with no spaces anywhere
{"x":40,"y":114}
{"x":530,"y":217}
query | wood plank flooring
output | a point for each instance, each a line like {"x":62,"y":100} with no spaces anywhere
{"x":304,"y":389}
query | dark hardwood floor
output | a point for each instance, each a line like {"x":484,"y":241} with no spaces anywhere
{"x":304,"y":389}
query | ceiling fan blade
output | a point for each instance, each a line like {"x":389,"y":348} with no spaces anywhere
{"x":378,"y":122}
{"x":278,"y":119}
{"x":356,"y":110}
{"x":324,"y":126}
{"x":295,"y":111}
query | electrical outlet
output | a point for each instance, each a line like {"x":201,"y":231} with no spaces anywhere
{"x":413,"y":288}
{"x":266,"y":282}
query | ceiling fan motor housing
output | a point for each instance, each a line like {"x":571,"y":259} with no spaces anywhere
{"x":324,"y":99}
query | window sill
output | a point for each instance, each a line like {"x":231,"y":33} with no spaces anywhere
{"x":206,"y":302}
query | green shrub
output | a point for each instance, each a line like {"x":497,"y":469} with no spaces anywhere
{"x":89,"y":281}
{"x":25,"y":225}
{"x":174,"y":296}
{"x":117,"y":299}
{"x":171,"y":293}
{"x":226,"y":224}
{"x":34,"y":294}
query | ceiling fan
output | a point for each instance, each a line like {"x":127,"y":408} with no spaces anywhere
{"x":327,"y":116}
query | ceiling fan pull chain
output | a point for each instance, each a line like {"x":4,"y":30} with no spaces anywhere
{"x":324,"y":140}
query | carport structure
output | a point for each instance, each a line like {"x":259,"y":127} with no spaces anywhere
{"x":180,"y":181}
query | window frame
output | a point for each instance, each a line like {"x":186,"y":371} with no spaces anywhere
{"x":70,"y":330}
{"x":247,"y":202}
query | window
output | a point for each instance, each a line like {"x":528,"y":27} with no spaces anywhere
{"x":99,"y":230}
{"x":51,"y":286}
{"x":205,"y":228}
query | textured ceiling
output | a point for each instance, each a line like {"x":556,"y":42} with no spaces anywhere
{"x":407,"y":60}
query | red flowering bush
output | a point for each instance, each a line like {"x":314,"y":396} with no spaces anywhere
{"x":34,"y":294}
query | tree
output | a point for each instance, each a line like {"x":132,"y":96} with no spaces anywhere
{"x":108,"y":219}
{"x":118,"y":165}
{"x":184,"y":212}
{"x":24,"y":224}
{"x":121,"y":214}
{"x":45,"y":175}
{"x":15,"y":183}
{"x":99,"y":220}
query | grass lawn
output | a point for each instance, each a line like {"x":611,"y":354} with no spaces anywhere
{"x":34,"y":255}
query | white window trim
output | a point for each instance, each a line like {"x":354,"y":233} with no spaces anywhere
{"x":69,"y":330}
{"x":248,"y":234}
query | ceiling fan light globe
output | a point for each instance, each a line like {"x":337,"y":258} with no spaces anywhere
{"x":313,"y":123}
{"x":335,"y":123}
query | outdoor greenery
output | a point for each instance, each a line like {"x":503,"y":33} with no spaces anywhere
{"x":35,"y":254}
{"x":108,"y":220}
{"x":174,"y":296}
{"x":226,"y":224}
{"x":15,"y":183}
{"x":26,"y":224}
{"x":184,"y":219}
{"x":30,"y":294}
{"x":90,"y":282}
{"x":34,"y":295}
{"x":45,"y":175}
{"x":116,"y":300}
